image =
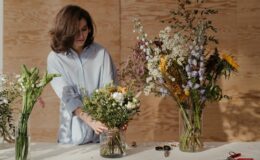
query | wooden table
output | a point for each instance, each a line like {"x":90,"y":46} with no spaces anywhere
{"x":145,"y":151}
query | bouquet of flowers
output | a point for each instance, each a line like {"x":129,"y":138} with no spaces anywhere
{"x":32,"y":86}
{"x":114,"y":106}
{"x":179,"y":63}
{"x":9,"y":92}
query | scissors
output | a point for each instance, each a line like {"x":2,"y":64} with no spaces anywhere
{"x":234,"y":156}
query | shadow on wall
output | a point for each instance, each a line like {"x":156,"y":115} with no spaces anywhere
{"x":167,"y":122}
{"x":242,"y":117}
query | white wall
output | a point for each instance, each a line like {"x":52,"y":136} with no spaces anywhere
{"x":1,"y":34}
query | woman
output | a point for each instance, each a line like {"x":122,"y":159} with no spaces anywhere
{"x":84,"y":66}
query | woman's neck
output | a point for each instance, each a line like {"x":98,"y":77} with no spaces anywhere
{"x":78,"y":50}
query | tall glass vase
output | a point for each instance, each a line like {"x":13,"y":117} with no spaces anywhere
{"x":190,"y":127}
{"x":112,"y":144}
{"x":22,"y":138}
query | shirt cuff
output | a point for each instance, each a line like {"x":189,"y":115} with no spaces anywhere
{"x":73,"y":104}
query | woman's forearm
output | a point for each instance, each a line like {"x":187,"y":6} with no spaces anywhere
{"x":82,"y":115}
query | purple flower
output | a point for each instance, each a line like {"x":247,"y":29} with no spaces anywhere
{"x":202,"y":91}
{"x":194,"y":73}
{"x":203,"y":98}
{"x":163,"y":91}
{"x":201,"y":71}
{"x":190,"y":84}
{"x":161,"y":80}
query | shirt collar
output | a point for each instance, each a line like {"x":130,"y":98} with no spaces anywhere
{"x":71,"y":51}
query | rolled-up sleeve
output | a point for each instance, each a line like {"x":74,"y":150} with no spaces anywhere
{"x":63,"y":89}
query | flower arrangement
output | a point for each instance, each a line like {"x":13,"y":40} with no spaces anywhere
{"x":114,"y":106}
{"x":179,"y":63}
{"x":9,"y":92}
{"x":32,"y":86}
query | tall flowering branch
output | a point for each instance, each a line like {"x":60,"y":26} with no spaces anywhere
{"x":132,"y":72}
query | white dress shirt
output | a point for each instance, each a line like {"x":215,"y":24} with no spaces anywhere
{"x":80,"y":74}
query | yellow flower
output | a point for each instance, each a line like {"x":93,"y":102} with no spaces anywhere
{"x":121,"y":89}
{"x":162,"y":65}
{"x":230,"y":60}
{"x":186,"y":92}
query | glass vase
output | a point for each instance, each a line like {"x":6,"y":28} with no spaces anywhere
{"x":22,"y":138}
{"x":112,"y":144}
{"x":190,"y":127}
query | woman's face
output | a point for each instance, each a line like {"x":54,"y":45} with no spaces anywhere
{"x":82,"y":35}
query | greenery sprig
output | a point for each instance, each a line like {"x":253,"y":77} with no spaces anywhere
{"x":112,"y":105}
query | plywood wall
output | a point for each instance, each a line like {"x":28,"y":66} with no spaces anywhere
{"x":26,"y":41}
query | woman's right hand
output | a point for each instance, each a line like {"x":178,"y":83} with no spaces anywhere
{"x":97,"y":126}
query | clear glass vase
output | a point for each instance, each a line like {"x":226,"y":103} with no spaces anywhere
{"x":22,"y":138}
{"x":190,"y":130}
{"x":112,"y":144}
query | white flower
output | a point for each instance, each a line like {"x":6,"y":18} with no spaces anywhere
{"x":194,"y":62}
{"x":168,"y":29}
{"x":39,"y":85}
{"x":148,"y":79}
{"x":119,"y":97}
{"x":130,"y":105}
{"x":17,"y":76}
{"x":135,"y":100}
{"x":20,"y":80}
{"x":3,"y":79}
{"x":3,"y":100}
{"x":196,"y":86}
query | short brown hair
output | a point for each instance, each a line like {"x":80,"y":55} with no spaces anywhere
{"x":66,"y":27}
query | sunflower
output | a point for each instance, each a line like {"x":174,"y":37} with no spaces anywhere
{"x":229,"y":59}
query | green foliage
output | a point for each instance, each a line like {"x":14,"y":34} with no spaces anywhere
{"x":9,"y":92}
{"x":111,"y":106}
{"x":32,"y":86}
